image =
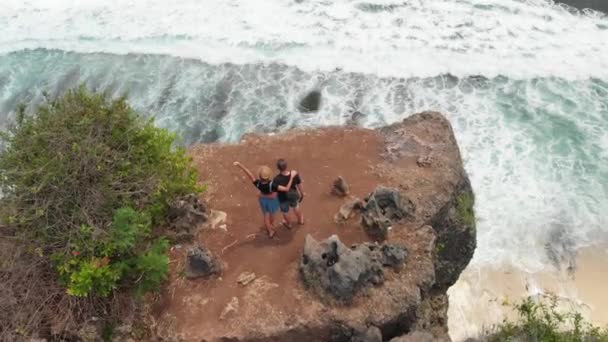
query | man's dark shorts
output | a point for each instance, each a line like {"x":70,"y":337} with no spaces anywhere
{"x":293,"y":199}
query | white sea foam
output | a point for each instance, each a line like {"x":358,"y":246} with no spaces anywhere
{"x":515,"y":38}
{"x":535,"y":149}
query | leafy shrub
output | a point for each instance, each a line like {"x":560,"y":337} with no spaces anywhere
{"x":541,"y":321}
{"x":88,"y":181}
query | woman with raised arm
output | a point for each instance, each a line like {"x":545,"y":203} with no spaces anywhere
{"x":267,"y":195}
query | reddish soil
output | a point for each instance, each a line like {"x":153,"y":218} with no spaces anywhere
{"x":319,"y":156}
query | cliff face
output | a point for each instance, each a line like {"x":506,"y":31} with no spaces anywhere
{"x":427,"y":242}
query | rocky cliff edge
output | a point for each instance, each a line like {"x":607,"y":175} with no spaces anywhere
{"x":372,"y":262}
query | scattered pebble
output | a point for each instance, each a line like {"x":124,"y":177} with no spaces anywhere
{"x":246,"y":278}
{"x":232,"y":307}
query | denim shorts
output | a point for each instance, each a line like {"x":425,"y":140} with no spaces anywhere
{"x":293,"y":200}
{"x":269,"y":205}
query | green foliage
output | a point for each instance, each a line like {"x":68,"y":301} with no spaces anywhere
{"x":540,"y":321}
{"x":89,"y":181}
{"x":439,"y":247}
{"x":464,"y":206}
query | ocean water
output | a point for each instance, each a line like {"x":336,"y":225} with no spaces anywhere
{"x":524,"y":83}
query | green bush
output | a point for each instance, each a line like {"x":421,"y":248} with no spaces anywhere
{"x":89,"y":182}
{"x":542,"y":321}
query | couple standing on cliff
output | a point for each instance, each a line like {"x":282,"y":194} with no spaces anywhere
{"x":284,"y":192}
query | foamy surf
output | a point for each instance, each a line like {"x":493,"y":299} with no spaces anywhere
{"x":518,"y":39}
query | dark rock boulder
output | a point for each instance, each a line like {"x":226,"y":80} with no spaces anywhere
{"x":331,"y":268}
{"x":311,"y":102}
{"x":383,"y":208}
{"x":200,"y":263}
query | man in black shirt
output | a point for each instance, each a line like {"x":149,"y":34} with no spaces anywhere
{"x":292,"y":197}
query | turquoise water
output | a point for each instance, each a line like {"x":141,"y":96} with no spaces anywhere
{"x":535,"y":149}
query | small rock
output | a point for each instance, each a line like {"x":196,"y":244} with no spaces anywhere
{"x":245,"y":278}
{"x":355,"y":119}
{"x":425,"y":161}
{"x":216,"y":219}
{"x":348,"y":209}
{"x":393,"y":255}
{"x":340,"y":187}
{"x":231,"y":308}
{"x":201,"y":263}
{"x":281,"y":121}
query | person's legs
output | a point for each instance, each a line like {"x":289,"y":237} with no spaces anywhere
{"x":267,"y":213}
{"x":285,"y":211}
{"x":299,"y":214}
{"x":268,"y":224}
{"x":294,"y":203}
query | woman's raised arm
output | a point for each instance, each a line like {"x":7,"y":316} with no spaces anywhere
{"x":246,"y":170}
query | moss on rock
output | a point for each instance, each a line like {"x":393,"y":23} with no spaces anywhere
{"x":464,"y":205}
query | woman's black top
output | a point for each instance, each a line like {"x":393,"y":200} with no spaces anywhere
{"x":266,"y":187}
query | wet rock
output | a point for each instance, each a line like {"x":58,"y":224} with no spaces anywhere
{"x":230,"y":309}
{"x":340,"y":187}
{"x":348,"y":210}
{"x":185,"y":215}
{"x":383,"y":208}
{"x":200,"y":263}
{"x":355,"y":119}
{"x":331,"y":268}
{"x":371,"y":334}
{"x":311,"y":102}
{"x":281,"y":121}
{"x":245,"y":278}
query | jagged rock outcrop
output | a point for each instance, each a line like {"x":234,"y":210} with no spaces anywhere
{"x":201,"y":263}
{"x":383,"y":208}
{"x":413,"y":181}
{"x":331,"y":268}
{"x":185,"y":215}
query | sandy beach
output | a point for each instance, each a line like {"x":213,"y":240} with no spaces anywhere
{"x":483,"y":296}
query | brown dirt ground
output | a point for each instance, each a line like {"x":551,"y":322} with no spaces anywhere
{"x":190,"y":309}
